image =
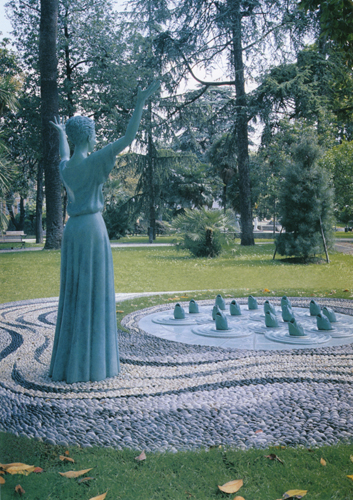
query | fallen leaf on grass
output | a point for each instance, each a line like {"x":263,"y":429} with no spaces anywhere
{"x":350,"y":477}
{"x":19,"y":490}
{"x":231,"y":486}
{"x":266,"y":290}
{"x":142,"y":456}
{"x":74,"y":473}
{"x":99,"y":497}
{"x":2,"y":480}
{"x":20,"y":469}
{"x":38,"y":470}
{"x":85,"y":479}
{"x":121,"y":312}
{"x":346,"y":290}
{"x":7,"y":466}
{"x":67,"y":453}
{"x":351,"y":458}
{"x":66,"y":459}
{"x":322,"y":461}
{"x":238,"y":498}
{"x":295,"y":494}
{"x":272,"y":456}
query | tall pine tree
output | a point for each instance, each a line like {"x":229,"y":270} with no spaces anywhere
{"x":245,"y":36}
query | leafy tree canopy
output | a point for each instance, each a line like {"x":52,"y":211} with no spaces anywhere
{"x":318,"y":88}
{"x":339,"y":162}
{"x":336,"y":22}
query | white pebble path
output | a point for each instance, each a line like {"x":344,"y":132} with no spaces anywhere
{"x":172,"y":396}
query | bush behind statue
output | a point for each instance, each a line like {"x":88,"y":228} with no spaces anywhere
{"x":305,"y":203}
{"x":205,"y":231}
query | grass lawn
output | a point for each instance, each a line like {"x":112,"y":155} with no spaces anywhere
{"x":340,"y":234}
{"x":177,"y":476}
{"x":142,"y":238}
{"x":240,"y":271}
{"x":183,"y":475}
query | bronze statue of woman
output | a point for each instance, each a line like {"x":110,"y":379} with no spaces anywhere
{"x":86,"y":341}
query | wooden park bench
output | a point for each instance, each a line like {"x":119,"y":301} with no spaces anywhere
{"x":13,"y":237}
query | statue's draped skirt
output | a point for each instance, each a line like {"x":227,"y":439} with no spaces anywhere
{"x":86,"y":342}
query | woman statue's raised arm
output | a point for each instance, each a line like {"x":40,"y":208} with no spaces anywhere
{"x":142,"y":95}
{"x":64,"y":147}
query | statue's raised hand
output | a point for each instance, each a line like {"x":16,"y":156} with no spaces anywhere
{"x":64,"y":148}
{"x":142,"y":95}
{"x":58,"y":124}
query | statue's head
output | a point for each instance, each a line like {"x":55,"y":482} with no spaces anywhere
{"x":80,"y":129}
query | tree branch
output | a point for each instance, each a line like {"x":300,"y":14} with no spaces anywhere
{"x":182,"y":106}
{"x":275,"y":28}
{"x":203,"y":82}
{"x":30,"y":6}
{"x":78,"y":63}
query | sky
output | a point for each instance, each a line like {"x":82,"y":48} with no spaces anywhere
{"x":5,"y":25}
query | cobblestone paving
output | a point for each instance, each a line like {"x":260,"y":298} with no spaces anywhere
{"x":172,"y":396}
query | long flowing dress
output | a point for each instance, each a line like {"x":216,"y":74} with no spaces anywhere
{"x":86,"y":341}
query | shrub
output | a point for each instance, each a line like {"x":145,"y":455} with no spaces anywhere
{"x":305,"y":203}
{"x":204,"y":231}
{"x":120,"y":215}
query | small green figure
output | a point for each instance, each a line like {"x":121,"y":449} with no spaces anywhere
{"x":220,"y":302}
{"x":269,"y":307}
{"x":271,"y":320}
{"x":193,"y":307}
{"x":295,"y":329}
{"x":315,"y":309}
{"x":252,"y":303}
{"x":215,"y":310}
{"x":234,"y":308}
{"x":221,"y":321}
{"x":179,"y":312}
{"x":330,"y":314}
{"x":287,"y":313}
{"x":323,"y":323}
{"x":285,"y":301}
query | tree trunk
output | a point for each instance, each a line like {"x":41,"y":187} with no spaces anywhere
{"x":49,"y":109}
{"x":150,"y":167}
{"x":39,"y":205}
{"x":68,"y":68}
{"x":241,"y":129}
{"x":22,"y":214}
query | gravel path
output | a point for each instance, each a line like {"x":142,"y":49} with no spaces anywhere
{"x":344,"y":246}
{"x":172,"y":396}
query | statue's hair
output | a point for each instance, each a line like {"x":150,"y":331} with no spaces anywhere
{"x":79,"y":129}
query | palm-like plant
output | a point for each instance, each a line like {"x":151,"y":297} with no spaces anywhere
{"x":204,"y":231}
{"x":5,"y":178}
{"x":9,"y":87}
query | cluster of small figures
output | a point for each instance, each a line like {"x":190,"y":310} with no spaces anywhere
{"x":324,"y":316}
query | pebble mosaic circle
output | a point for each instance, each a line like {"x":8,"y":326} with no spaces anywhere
{"x":172,"y":396}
